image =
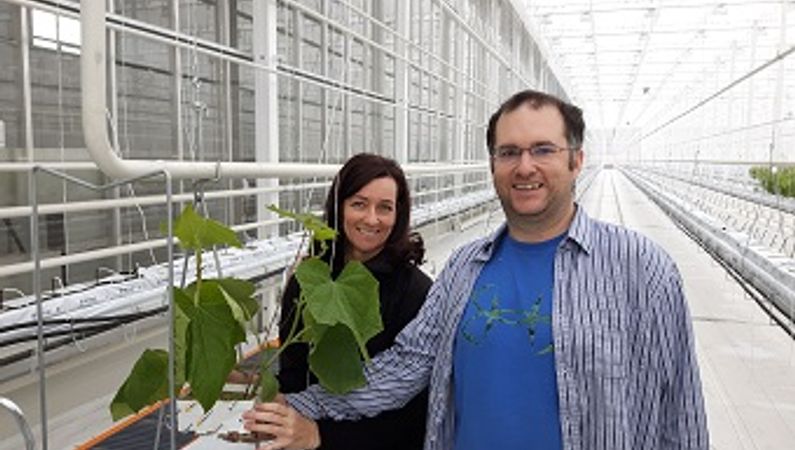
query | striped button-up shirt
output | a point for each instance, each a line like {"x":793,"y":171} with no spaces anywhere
{"x":624,"y":353}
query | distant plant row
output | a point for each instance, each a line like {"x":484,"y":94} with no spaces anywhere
{"x":780,"y":181}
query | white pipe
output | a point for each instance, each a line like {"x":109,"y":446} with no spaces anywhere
{"x":55,"y":165}
{"x":722,"y":162}
{"x":99,"y":205}
{"x":11,"y":212}
{"x":107,"y":252}
{"x":95,"y":130}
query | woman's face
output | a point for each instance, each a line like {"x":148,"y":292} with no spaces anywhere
{"x":369,"y":218}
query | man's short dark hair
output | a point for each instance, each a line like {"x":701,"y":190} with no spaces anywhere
{"x":573,"y":123}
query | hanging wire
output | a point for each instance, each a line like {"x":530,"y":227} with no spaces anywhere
{"x":124,"y":150}
{"x":199,"y":108}
{"x":201,"y":202}
{"x":61,"y":134}
{"x":194,"y":131}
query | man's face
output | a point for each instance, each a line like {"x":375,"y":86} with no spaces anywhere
{"x":534,"y":190}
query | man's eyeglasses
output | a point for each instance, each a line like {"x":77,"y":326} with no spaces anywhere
{"x":541,"y":153}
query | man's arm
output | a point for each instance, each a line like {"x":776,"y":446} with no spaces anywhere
{"x":395,"y":375}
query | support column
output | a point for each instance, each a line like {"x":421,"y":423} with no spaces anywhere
{"x":233,"y":101}
{"x":223,"y":20}
{"x":494,"y":70}
{"x":324,"y":93}
{"x":347,"y":116}
{"x":446,"y":122}
{"x":266,"y":107}
{"x":176,"y":104}
{"x":775,"y":133}
{"x":377,"y":79}
{"x":729,"y":135}
{"x":176,"y":65}
{"x":298,"y":89}
{"x":403,"y":14}
{"x":24,"y":45}
{"x":113,"y":88}
{"x":27,"y":108}
{"x":749,"y":104}
{"x":458,"y":141}
{"x":431,"y":118}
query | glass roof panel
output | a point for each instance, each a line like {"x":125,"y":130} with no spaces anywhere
{"x":626,"y":61}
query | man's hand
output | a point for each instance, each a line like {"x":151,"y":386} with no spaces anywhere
{"x":290,"y":430}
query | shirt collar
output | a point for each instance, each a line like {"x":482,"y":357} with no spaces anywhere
{"x":580,"y":234}
{"x":581,"y":230}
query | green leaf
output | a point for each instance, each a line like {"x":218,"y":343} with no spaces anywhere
{"x":212,"y":335}
{"x":351,"y":299}
{"x":216,"y":233}
{"x":198,"y":233}
{"x":146,"y":384}
{"x":323,"y":233}
{"x":181,"y":322}
{"x":268,"y":386}
{"x":312,"y":273}
{"x":239,"y":295}
{"x":336,"y":362}
{"x":319,"y":229}
{"x":313,"y":331}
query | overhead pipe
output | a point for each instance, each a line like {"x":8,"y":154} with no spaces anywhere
{"x":93,"y":86}
{"x":14,"y":167}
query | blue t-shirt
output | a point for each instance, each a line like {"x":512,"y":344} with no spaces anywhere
{"x":505,"y":387}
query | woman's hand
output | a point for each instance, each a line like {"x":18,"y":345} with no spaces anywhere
{"x":290,"y":430}
{"x":237,"y":376}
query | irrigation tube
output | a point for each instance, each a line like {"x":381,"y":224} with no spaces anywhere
{"x":93,"y":90}
{"x":772,"y":281}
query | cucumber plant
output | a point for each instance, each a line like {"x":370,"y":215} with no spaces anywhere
{"x":780,"y":181}
{"x":211,"y":316}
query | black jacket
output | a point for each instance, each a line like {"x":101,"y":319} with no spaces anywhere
{"x":402,"y":290}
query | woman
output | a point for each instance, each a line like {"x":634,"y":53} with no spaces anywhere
{"x":369,"y":203}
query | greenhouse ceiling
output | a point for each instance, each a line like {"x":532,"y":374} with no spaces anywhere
{"x":627,"y":63}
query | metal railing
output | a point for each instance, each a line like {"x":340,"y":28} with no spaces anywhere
{"x":22,"y":424}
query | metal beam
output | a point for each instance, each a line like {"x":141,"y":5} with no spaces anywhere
{"x":567,"y":8}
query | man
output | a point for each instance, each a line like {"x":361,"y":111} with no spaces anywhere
{"x":558,"y":331}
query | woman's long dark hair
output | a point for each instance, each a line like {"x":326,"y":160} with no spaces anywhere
{"x":401,"y":246}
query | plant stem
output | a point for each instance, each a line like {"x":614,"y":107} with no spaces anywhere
{"x":290,"y":340}
{"x":198,"y":254}
{"x":299,"y":309}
